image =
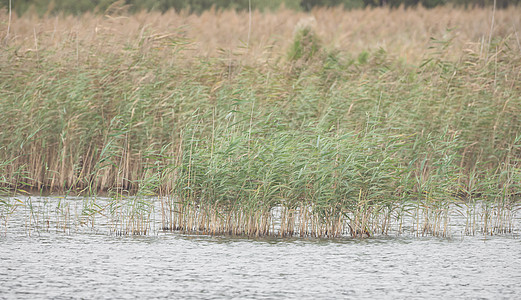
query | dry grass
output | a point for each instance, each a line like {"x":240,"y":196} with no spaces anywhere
{"x":402,"y":33}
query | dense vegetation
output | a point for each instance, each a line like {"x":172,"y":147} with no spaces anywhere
{"x":198,"y":6}
{"x":330,"y":134}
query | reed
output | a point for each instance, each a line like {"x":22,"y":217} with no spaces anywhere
{"x":313,"y":132}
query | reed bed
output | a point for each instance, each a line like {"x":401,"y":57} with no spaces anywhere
{"x":320,"y":124}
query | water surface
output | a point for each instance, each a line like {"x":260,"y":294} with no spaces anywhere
{"x":60,"y":266}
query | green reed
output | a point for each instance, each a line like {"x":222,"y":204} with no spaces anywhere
{"x":324,"y":143}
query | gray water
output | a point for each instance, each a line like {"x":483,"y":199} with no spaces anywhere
{"x":55,"y":251}
{"x":94,"y":266}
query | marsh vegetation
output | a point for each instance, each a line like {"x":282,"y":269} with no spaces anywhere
{"x":343,"y":125}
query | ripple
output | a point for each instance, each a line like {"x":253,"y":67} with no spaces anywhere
{"x":94,"y":266}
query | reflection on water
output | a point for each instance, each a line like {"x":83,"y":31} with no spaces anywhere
{"x":181,"y":266}
{"x":149,"y":216}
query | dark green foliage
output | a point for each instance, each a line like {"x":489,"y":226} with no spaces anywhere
{"x":434,"y":3}
{"x":198,"y":6}
{"x":307,"y":5}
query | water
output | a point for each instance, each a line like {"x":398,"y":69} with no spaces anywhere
{"x":92,"y":266}
{"x":58,"y":252}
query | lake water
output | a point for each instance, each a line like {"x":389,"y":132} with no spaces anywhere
{"x":91,"y":264}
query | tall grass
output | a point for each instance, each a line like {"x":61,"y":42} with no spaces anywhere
{"x":316,"y":132}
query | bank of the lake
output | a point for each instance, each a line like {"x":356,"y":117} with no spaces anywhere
{"x":333,"y":130}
